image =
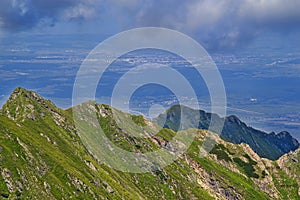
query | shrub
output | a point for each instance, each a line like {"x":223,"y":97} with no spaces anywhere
{"x":247,"y":167}
{"x":220,"y":151}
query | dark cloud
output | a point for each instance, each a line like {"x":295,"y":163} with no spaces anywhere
{"x":216,"y":23}
{"x":222,"y":24}
{"x":18,"y":15}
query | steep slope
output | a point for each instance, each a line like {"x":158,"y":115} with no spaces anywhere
{"x":42,"y":157}
{"x":266,"y":145}
{"x":290,"y":164}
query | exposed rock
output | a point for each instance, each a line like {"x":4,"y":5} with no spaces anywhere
{"x":108,"y":188}
{"x":34,"y":168}
{"x":90,"y":165}
{"x":7,"y":179}
{"x":213,"y":185}
{"x":233,"y":130}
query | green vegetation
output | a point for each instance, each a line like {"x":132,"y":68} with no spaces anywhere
{"x":139,"y":120}
{"x":221,"y":151}
{"x":263,"y":174}
{"x":248,"y":167}
{"x":42,"y":157}
{"x":266,"y":145}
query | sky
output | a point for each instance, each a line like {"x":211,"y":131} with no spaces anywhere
{"x":217,"y":24}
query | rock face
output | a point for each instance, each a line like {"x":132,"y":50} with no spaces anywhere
{"x":24,"y":104}
{"x":42,"y":157}
{"x":270,"y":146}
{"x":290,"y":164}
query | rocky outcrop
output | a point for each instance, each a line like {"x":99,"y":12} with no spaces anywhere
{"x":43,"y":157}
{"x":266,"y":145}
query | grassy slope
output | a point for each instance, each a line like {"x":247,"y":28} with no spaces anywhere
{"x":235,"y":131}
{"x":41,"y":159}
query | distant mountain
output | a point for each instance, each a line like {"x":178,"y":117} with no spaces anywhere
{"x":266,"y":145}
{"x":42,"y":157}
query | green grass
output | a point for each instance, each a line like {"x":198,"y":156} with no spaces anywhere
{"x":226,"y":177}
{"x":139,"y":120}
{"x":287,"y":187}
{"x":61,"y":162}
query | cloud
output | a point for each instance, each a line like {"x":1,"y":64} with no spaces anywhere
{"x":81,"y":11}
{"x":223,"y":24}
{"x":18,"y":15}
{"x":216,"y":23}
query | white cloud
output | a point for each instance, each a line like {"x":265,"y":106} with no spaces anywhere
{"x":215,"y":22}
{"x":82,"y":11}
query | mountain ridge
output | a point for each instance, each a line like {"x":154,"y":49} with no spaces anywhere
{"x":269,"y":145}
{"x":280,"y":143}
{"x":42,"y":157}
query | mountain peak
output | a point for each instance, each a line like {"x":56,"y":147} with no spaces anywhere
{"x":19,"y":89}
{"x":46,"y":158}
{"x":27,"y":95}
{"x":266,"y":145}
{"x":24,"y":104}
